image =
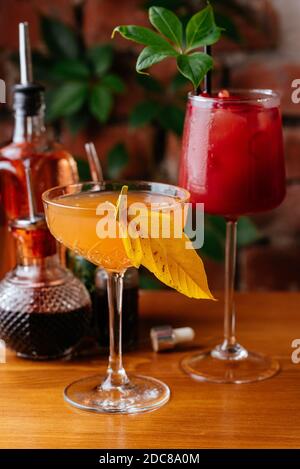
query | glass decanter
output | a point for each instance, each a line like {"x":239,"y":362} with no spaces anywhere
{"x":44,"y":309}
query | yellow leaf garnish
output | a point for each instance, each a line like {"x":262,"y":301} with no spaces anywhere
{"x":167,"y":258}
{"x":135,"y":257}
{"x":120,"y":201}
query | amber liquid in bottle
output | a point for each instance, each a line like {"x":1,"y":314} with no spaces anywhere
{"x":51,"y":165}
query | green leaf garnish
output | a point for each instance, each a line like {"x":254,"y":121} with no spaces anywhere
{"x":152,"y":55}
{"x":167,"y":23}
{"x":172,"y":41}
{"x":202,"y":30}
{"x":194,"y":66}
{"x":142,"y":35}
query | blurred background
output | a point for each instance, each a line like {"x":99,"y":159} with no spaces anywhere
{"x":94,"y":94}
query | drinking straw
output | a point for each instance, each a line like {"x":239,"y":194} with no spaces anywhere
{"x":94,"y":162}
{"x":207,"y":78}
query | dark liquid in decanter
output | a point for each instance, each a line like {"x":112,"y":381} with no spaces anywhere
{"x":43,"y":335}
{"x":44,"y":309}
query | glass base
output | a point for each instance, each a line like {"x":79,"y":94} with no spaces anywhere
{"x":140,"y":394}
{"x":235,"y":365}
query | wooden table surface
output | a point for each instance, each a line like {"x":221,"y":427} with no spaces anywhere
{"x":33,"y":413}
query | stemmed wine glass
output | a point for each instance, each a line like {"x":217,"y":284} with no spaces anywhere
{"x":232,"y":161}
{"x":73,"y":217}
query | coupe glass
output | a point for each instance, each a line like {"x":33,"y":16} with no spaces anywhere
{"x":233,"y":162}
{"x":73,"y":217}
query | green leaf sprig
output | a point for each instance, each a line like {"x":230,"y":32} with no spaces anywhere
{"x":173,"y":41}
{"x":81,"y":82}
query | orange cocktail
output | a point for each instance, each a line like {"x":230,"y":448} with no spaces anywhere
{"x":73,"y":220}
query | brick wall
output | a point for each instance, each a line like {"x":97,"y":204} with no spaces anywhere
{"x":268,"y":57}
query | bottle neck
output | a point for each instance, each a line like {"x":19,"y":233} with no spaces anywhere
{"x":41,"y":262}
{"x":34,"y":242}
{"x":37,"y":255}
{"x":28,"y":128}
{"x":45,"y":271}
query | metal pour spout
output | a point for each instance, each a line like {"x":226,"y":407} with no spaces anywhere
{"x":26,"y":75}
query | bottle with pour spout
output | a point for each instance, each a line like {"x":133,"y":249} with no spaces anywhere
{"x":44,"y":310}
{"x":51,"y":164}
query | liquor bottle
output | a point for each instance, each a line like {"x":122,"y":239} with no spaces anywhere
{"x":130,"y":309}
{"x":50,"y":163}
{"x":44,"y":309}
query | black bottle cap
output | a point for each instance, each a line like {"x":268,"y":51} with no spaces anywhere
{"x":28,"y":99}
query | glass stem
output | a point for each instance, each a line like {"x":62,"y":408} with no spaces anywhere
{"x":230,"y":266}
{"x":116,"y":375}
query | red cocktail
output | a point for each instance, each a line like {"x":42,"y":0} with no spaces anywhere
{"x":232,"y":161}
{"x":232,"y":156}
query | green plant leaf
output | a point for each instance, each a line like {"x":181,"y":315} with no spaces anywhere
{"x":114,"y":83}
{"x":143,"y":113}
{"x":171,"y":4}
{"x":148,"y":281}
{"x":66,"y":100}
{"x":172,"y":118}
{"x":60,"y":39}
{"x":117,"y":160}
{"x":201,"y":29}
{"x":42,"y":66}
{"x":214,"y":238}
{"x":247,"y":232}
{"x":178,"y":81}
{"x":149,"y":83}
{"x":215,"y":235}
{"x":49,"y":93}
{"x":167,"y":23}
{"x":229,"y":27}
{"x":194,"y":66}
{"x":83,"y":169}
{"x":152,"y":55}
{"x":217,"y":223}
{"x":82,"y":268}
{"x":210,"y":39}
{"x":78,"y":121}
{"x":101,"y":58}
{"x":70,"y":69}
{"x":100,"y":103}
{"x":143,"y":36}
